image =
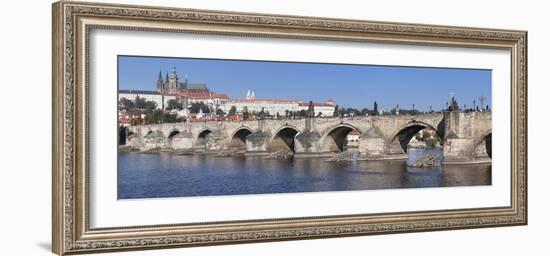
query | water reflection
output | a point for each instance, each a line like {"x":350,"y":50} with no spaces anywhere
{"x":167,"y":175}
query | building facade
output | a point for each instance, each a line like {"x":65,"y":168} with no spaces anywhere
{"x":211,"y":99}
{"x":271,"y":107}
{"x":279,"y":107}
{"x":321,"y":109}
{"x":172,"y":84}
{"x":352,"y":139}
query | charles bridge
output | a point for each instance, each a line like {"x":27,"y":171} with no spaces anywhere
{"x":466,"y":136}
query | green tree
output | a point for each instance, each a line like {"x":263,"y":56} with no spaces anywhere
{"x":336,"y":111}
{"x":375,"y":109}
{"x":245,"y":113}
{"x":139,"y":102}
{"x":174,"y":104}
{"x":352,"y":111}
{"x":158,"y":116}
{"x":220,"y":112}
{"x":197,"y":106}
{"x":170,"y":118}
{"x":125,"y":104}
{"x":233,"y":110}
{"x":262,"y":114}
{"x":155,"y":117}
{"x":150,"y":106}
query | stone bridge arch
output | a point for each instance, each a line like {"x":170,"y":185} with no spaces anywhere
{"x":134,"y":138}
{"x":333,"y":139}
{"x":482,"y":145}
{"x":403,"y":135}
{"x":130,"y":131}
{"x":238,"y":137}
{"x":284,"y":138}
{"x":171,"y":134}
{"x":204,"y":132}
{"x":200,"y":138}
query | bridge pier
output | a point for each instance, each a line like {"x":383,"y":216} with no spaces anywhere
{"x":216,"y":141}
{"x":134,"y":141}
{"x":152,"y":140}
{"x":182,"y":140}
{"x":456,"y":150}
{"x":257,"y":143}
{"x":307,"y":144}
{"x":373,"y":145}
{"x":464,"y":132}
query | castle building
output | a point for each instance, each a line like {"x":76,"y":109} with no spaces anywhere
{"x":172,"y":84}
{"x":172,"y":88}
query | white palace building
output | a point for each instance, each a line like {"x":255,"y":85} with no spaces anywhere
{"x":274,"y":107}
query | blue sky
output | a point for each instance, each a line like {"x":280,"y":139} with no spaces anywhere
{"x":356,"y":86}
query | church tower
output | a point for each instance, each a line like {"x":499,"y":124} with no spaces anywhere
{"x":160,"y":83}
{"x":166,"y":88}
{"x":173,"y":81}
{"x":250,"y":95}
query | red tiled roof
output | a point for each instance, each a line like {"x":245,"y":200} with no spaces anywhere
{"x":203,"y":95}
{"x":316,"y":104}
{"x":354,"y":132}
{"x":265,"y":100}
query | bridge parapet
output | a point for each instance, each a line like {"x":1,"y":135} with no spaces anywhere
{"x":380,"y":137}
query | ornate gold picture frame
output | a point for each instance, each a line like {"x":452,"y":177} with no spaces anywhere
{"x":72,"y":24}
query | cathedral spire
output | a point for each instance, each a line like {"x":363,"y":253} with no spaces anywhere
{"x":160,"y":83}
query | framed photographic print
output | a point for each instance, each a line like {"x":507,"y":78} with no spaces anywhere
{"x":179,"y":127}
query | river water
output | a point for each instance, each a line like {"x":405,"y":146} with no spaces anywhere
{"x":167,"y":175}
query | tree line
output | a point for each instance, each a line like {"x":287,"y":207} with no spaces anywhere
{"x":140,"y":106}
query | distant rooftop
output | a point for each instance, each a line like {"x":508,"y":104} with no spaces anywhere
{"x":264,"y":100}
{"x":317,"y":104}
{"x":202,"y":95}
{"x":139,"y":92}
{"x":354,"y":132}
